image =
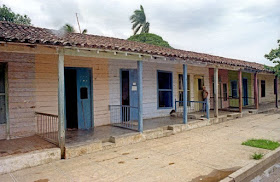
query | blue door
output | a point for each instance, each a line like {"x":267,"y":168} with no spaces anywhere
{"x":84,"y":98}
{"x":245,"y":91}
{"x":133,"y":89}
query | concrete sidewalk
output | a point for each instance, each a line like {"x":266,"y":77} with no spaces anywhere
{"x":203,"y":154}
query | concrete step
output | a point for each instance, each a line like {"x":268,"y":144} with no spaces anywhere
{"x":16,"y":162}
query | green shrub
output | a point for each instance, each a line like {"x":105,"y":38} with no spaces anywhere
{"x":257,"y":156}
{"x":150,"y":38}
{"x":262,"y":143}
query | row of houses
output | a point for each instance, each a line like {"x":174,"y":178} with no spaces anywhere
{"x":51,"y":81}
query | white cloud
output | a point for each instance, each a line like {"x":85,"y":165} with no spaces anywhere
{"x":230,"y":28}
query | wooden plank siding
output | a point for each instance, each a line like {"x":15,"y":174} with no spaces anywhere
{"x":21,"y":79}
{"x":150,"y":95}
{"x":47,"y":84}
{"x":192,"y":71}
{"x":223,"y":79}
{"x":269,"y":88}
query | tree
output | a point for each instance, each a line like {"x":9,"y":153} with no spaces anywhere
{"x":84,"y":31}
{"x":70,"y":29}
{"x":138,"y":19}
{"x":274,"y":56}
{"x":150,"y":38}
{"x":6,"y":14}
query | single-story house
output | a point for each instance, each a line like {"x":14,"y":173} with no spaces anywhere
{"x":52,"y":80}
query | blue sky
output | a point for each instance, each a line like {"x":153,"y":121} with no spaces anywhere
{"x":241,"y":29}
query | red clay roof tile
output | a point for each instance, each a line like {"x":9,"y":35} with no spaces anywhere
{"x":11,"y":32}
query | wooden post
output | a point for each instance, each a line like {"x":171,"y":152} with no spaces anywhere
{"x":7,"y":103}
{"x":216,"y":94}
{"x":276,"y":90}
{"x":140,"y":95}
{"x":240,"y":90}
{"x":256,"y":91}
{"x":61,"y":104}
{"x":185,"y":93}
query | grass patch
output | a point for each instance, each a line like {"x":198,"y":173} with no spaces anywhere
{"x":257,"y":156}
{"x":262,"y":143}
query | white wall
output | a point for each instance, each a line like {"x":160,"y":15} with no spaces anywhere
{"x":150,"y":105}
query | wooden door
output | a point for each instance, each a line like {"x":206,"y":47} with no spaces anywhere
{"x":84,"y":98}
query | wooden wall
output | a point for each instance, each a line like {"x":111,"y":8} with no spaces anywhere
{"x":21,"y":80}
{"x":269,"y":88}
{"x":47,"y":82}
{"x":150,"y":102}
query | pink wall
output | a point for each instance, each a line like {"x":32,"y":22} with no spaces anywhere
{"x":223,"y":78}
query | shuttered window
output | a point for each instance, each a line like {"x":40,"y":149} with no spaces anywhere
{"x":2,"y":95}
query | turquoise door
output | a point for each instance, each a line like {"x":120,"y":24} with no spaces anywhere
{"x":133,"y":94}
{"x":84,"y":98}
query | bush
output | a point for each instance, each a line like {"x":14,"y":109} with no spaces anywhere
{"x":150,"y":38}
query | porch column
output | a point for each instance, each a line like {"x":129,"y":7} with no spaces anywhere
{"x":216,"y":94}
{"x":140,"y":95}
{"x":7,"y":103}
{"x":256,"y":91}
{"x":276,"y":90}
{"x":185,"y":93}
{"x":240,"y":89}
{"x":61,"y":106}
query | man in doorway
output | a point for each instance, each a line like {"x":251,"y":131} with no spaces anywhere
{"x":204,"y":96}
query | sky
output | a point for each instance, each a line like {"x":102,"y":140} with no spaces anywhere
{"x":240,"y":29}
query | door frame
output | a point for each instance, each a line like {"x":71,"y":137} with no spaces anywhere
{"x":91,"y":94}
{"x":121,"y":70}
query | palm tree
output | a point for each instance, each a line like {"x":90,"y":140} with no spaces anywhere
{"x":68,"y":28}
{"x":84,"y":31}
{"x":138,"y":19}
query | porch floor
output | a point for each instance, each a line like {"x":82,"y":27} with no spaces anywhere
{"x":102,"y":133}
{"x":23,"y":145}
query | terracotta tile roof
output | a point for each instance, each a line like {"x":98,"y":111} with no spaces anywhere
{"x":11,"y":32}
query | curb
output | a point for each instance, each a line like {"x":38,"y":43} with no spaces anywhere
{"x":21,"y":161}
{"x":253,"y":169}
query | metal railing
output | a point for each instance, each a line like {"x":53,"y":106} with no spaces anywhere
{"x":246,"y":101}
{"x":220,"y":102}
{"x":124,"y":116}
{"x":47,"y":127}
{"x":195,"y":107}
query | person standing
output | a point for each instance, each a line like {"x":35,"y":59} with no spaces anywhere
{"x":204,"y":96}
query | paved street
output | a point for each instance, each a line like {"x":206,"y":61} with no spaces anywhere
{"x":204,"y":154}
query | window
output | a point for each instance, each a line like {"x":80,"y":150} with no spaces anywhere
{"x":225,"y":92}
{"x":200,"y":84}
{"x":2,"y":95}
{"x":181,"y":91}
{"x":234,"y":89}
{"x":263,"y":88}
{"x":164,"y":89}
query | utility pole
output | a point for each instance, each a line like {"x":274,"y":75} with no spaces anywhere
{"x":78,"y":22}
